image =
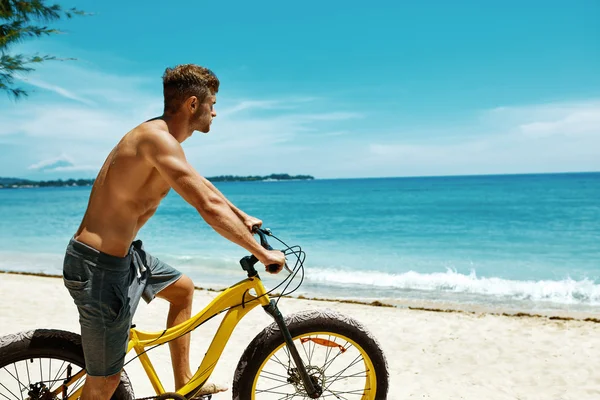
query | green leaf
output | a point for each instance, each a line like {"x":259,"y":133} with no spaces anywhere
{"x":21,"y":20}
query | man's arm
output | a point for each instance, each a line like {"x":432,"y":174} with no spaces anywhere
{"x":166,"y":154}
{"x":245,"y":218}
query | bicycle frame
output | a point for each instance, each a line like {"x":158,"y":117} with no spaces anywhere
{"x":238,"y":301}
{"x":236,"y":298}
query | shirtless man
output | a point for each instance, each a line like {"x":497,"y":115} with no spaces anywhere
{"x":107,"y":271}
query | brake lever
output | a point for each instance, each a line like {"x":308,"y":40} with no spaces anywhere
{"x":262,"y":233}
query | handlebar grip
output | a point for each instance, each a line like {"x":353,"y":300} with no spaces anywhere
{"x":273,"y":268}
{"x":262,"y":233}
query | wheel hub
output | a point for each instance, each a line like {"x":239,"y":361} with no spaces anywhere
{"x":316,"y":374}
{"x":39,"y":391}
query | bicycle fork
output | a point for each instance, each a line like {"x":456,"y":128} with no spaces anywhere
{"x":313,"y":389}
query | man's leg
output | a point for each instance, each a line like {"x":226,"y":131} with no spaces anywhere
{"x":103,"y":314}
{"x":100,"y":387}
{"x":180,"y":294}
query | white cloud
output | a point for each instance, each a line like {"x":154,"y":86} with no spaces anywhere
{"x":537,"y":138}
{"x":333,"y":116}
{"x":69,"y":122}
{"x":62,"y":163}
{"x":250,"y":105}
{"x":286,"y":103}
{"x":56,"y":89}
{"x":579,"y":122}
{"x":566,"y":118}
{"x":87,"y":129}
{"x":86,"y":112}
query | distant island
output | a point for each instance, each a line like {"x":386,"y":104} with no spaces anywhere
{"x":13,"y":183}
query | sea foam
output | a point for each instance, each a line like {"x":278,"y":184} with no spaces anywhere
{"x":566,"y":291}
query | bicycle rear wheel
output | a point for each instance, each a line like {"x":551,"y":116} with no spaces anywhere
{"x":338,"y":352}
{"x":36,"y":363}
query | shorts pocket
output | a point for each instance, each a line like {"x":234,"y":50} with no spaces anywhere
{"x":79,"y":290}
{"x":113,"y":294}
{"x":123,"y":309}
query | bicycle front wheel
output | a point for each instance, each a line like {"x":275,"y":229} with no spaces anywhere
{"x":35,"y":365}
{"x":339,"y":353}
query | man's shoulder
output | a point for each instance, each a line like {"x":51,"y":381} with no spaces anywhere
{"x":152,"y":138}
{"x":154,"y":133}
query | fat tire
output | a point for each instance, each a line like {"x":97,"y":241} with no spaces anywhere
{"x":304,"y":322}
{"x":52,"y":343}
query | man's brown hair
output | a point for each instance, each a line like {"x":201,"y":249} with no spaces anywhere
{"x":187,"y":80}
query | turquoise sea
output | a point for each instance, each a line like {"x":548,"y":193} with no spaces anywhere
{"x":528,"y":242}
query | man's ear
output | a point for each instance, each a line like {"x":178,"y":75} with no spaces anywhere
{"x":193,"y":103}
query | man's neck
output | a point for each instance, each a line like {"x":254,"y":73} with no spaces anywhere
{"x":178,"y":127}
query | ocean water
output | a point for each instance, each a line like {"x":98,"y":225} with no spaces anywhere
{"x":527,"y":242}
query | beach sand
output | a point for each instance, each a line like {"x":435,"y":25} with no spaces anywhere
{"x":431,"y":355}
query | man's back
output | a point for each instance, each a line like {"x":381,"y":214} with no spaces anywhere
{"x":126,"y":193}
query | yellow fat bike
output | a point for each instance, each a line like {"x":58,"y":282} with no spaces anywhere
{"x":315,"y":354}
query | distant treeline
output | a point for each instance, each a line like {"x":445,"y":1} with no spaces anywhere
{"x":16,"y":182}
{"x":272,"y":177}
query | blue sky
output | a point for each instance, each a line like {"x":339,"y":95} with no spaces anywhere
{"x":328,"y":88}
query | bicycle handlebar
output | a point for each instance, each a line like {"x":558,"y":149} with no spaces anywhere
{"x":248,"y":262}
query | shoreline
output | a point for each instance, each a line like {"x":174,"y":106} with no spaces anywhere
{"x":416,"y":305}
{"x":431,"y":353}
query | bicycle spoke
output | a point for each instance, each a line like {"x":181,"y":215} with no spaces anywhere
{"x":287,"y":397}
{"x":327,"y":354}
{"x":77,"y":385}
{"x":358,"y":392}
{"x":304,"y":348}
{"x":59,"y":373}
{"x":8,"y":398}
{"x":353,"y":363}
{"x":335,"y":376}
{"x":335,"y":395}
{"x":27,"y":367}
{"x":16,"y":397}
{"x":287,"y":353}
{"x":337,"y":355}
{"x":269,"y":390}
{"x":356,"y":375}
{"x":313,"y":351}
{"x":282,"y":364}
{"x":16,"y":379}
{"x":274,"y":379}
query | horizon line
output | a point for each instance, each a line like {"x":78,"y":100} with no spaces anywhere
{"x":371,"y":177}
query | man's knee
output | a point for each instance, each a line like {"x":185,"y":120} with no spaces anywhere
{"x":180,"y":292}
{"x":100,"y":387}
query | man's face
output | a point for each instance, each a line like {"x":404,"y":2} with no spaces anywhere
{"x":204,"y":114}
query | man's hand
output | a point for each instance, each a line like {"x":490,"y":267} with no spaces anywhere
{"x":273,"y":257}
{"x":251,"y":222}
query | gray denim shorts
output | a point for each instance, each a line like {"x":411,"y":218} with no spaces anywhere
{"x":107,"y":291}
